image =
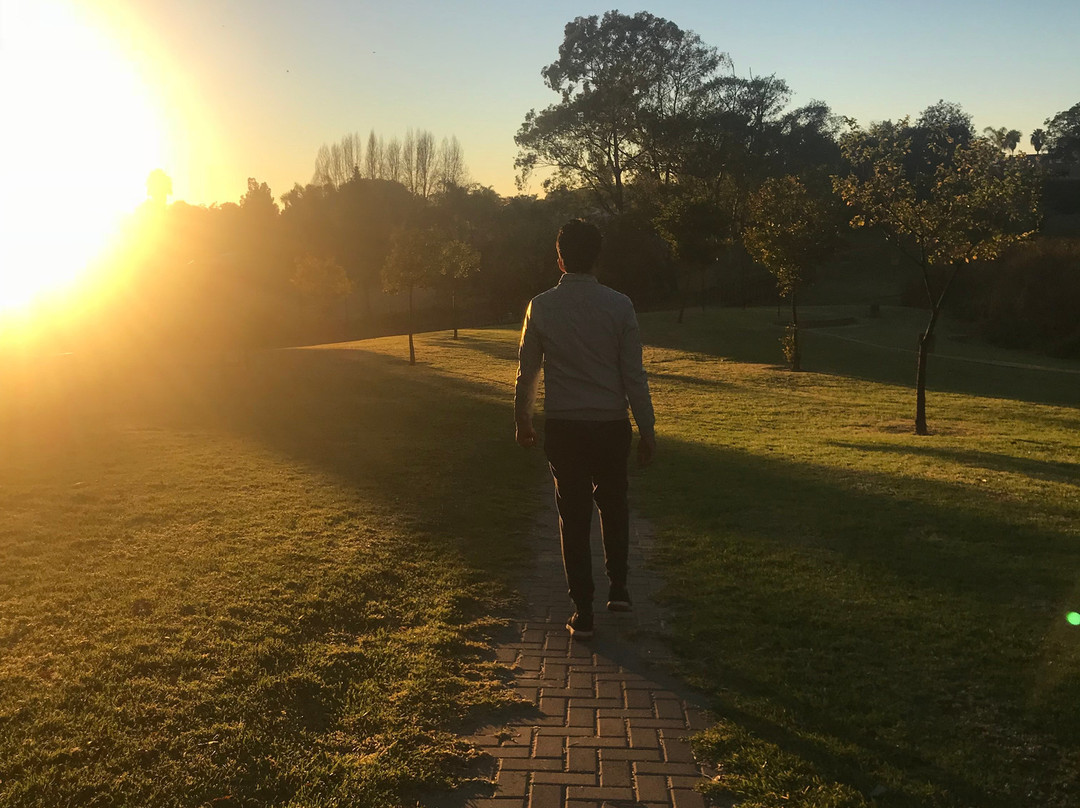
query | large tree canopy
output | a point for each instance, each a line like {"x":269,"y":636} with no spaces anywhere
{"x":1063,"y":135}
{"x":633,"y":90}
{"x":970,"y":207}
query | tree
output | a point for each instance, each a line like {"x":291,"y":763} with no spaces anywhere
{"x":969,"y":209}
{"x":808,"y":139}
{"x":253,"y":232}
{"x":408,"y":161}
{"x":695,"y":227}
{"x":457,"y":261}
{"x":410,"y":264}
{"x":1063,"y":135}
{"x":321,"y":280}
{"x":996,"y":136}
{"x":938,"y":132}
{"x":339,"y":162}
{"x":158,"y":188}
{"x":1004,"y":139}
{"x":789,"y":233}
{"x":946,"y":120}
{"x":424,"y":165}
{"x":630,"y":89}
{"x":258,"y":202}
{"x":373,"y":159}
{"x":451,"y":164}
{"x":683,"y":76}
{"x":391,"y":161}
{"x":757,"y":102}
{"x":1038,"y":140}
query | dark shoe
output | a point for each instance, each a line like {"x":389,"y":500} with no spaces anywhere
{"x":580,"y":625}
{"x":619,"y":600}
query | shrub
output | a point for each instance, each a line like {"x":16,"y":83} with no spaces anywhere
{"x":1032,"y":298}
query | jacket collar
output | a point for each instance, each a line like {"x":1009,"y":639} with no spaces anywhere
{"x":576,"y":277}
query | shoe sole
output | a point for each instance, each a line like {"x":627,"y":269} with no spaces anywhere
{"x":619,"y":606}
{"x":581,"y":634}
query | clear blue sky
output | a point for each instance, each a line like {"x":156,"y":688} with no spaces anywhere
{"x":254,"y":87}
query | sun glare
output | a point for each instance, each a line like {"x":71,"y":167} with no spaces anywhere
{"x":80,"y":136}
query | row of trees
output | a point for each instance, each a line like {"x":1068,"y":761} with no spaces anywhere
{"x":1061,"y":137}
{"x":653,"y":119}
{"x":688,"y":167}
{"x":419,"y":162}
{"x":327,"y":262}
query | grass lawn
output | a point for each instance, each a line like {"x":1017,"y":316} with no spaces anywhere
{"x":272,"y":584}
{"x":278,"y":583}
{"x":872,"y":613}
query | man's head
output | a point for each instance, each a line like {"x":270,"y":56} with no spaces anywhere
{"x":578,"y":245}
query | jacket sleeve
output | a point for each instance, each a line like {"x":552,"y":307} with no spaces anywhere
{"x":530,"y":360}
{"x":634,"y":379}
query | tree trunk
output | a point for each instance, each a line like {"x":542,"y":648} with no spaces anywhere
{"x":926,"y":341}
{"x":453,"y":309}
{"x":412,"y":352}
{"x":702,"y":270}
{"x":616,"y":170}
{"x":684,"y":292}
{"x":796,"y":352}
{"x":920,"y":384}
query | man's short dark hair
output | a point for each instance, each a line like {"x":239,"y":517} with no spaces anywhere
{"x":578,"y":245}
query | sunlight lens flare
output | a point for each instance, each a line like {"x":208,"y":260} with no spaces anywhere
{"x":81,"y":134}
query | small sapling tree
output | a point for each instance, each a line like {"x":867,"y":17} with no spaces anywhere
{"x":457,"y":261}
{"x":789,"y":232}
{"x":410,"y":264}
{"x":967,"y":203}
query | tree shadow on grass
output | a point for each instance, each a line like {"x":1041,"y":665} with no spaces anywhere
{"x":405,"y":463}
{"x":888,"y":615}
{"x":1050,"y":470}
{"x":869,"y":622}
{"x":685,"y":379}
{"x":736,"y":339}
{"x":492,"y":343}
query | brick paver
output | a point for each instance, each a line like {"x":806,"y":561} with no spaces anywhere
{"x":611,"y":725}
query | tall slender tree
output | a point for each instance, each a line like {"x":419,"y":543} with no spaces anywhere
{"x":457,"y":261}
{"x":373,"y":157}
{"x":790,"y":232}
{"x":425,"y":164}
{"x":411,"y":264}
{"x":1038,"y":140}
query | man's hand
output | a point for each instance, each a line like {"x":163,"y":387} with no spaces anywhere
{"x":525,"y":434}
{"x":646,"y":450}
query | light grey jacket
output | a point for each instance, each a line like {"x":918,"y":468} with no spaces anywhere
{"x":586,"y":338}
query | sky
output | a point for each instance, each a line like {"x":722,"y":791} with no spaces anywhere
{"x":97,"y":93}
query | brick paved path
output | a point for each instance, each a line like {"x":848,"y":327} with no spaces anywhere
{"x":611,"y":727}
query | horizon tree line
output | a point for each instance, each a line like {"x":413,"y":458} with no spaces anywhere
{"x":688,"y":167}
{"x":418,"y":162}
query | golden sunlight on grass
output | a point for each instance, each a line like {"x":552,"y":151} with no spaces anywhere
{"x":81,"y":135}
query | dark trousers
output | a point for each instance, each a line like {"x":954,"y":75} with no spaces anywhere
{"x":588,"y":461}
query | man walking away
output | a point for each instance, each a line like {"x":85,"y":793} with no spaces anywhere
{"x":586,"y":338}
